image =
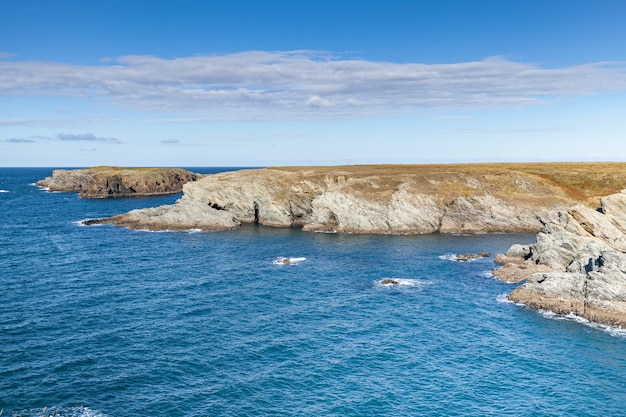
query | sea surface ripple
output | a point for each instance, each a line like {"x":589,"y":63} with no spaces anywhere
{"x":103,"y":321}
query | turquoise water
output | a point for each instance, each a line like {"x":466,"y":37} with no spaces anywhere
{"x":104,"y":321}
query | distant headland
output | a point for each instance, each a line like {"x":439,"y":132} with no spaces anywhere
{"x":113,"y":182}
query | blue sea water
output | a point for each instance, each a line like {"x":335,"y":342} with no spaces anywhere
{"x":105,"y":321}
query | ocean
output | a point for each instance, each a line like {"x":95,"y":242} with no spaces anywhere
{"x":104,"y":321}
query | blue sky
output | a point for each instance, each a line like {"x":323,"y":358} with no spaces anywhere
{"x":259,"y":83}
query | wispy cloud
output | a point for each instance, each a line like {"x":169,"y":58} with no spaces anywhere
{"x":170,"y":141}
{"x":69,"y":137}
{"x":305,"y":84}
{"x":86,"y":137}
{"x":15,"y":140}
{"x":6,"y":55}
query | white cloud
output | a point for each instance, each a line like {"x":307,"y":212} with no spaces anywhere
{"x":317,"y":101}
{"x":305,"y":84}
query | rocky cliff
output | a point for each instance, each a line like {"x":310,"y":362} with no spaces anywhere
{"x":383,"y":198}
{"x":109,"y":182}
{"x":577,"y":265}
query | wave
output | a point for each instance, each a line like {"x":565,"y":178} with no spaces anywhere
{"x":502,"y":298}
{"x":59,"y":412}
{"x":612,"y":330}
{"x":287,"y":261}
{"x":487,"y":274}
{"x":4,"y":191}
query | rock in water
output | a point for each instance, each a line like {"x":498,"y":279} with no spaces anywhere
{"x":111,"y":182}
{"x":577,"y":265}
{"x":470,"y":256}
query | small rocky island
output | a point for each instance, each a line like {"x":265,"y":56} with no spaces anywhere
{"x":113,"y":182}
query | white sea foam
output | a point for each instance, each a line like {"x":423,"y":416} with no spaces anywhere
{"x":40,"y":187}
{"x":194,"y":231}
{"x":502,"y":298}
{"x":287,"y":261}
{"x":399,"y":282}
{"x":454,"y":257}
{"x":613,"y":331}
{"x":61,"y":412}
{"x":487,"y":274}
{"x":5,"y":191}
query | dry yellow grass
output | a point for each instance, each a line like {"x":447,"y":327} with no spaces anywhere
{"x":573,"y":182}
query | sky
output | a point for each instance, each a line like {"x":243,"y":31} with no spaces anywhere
{"x":289,"y":82}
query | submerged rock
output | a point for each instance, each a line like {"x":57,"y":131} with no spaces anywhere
{"x":389,"y":281}
{"x":577,"y":265}
{"x":471,"y":256}
{"x":111,"y":182}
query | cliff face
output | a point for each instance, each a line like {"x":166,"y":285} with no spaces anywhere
{"x":110,"y":182}
{"x":578,"y":264}
{"x":371,"y":199}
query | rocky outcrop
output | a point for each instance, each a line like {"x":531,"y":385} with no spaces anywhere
{"x":110,"y":182}
{"x":465,"y":257}
{"x":189,"y":216}
{"x":367,"y":200}
{"x":577,"y":265}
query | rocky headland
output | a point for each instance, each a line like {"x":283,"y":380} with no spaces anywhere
{"x":111,"y":182}
{"x":403,"y":199}
{"x":577,"y":266}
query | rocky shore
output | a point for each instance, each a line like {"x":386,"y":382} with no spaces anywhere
{"x":111,"y":182}
{"x":577,"y":266}
{"x":380,"y":199}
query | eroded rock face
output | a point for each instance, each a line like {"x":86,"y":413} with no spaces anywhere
{"x":112,"y":182}
{"x":578,"y":264}
{"x":345,"y":203}
{"x":189,"y":216}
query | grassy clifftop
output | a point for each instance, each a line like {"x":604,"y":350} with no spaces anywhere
{"x":567,"y":182}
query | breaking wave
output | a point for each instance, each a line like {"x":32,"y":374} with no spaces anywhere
{"x":4,"y":191}
{"x":502,"y":298}
{"x":287,"y":261}
{"x":612,"y":330}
